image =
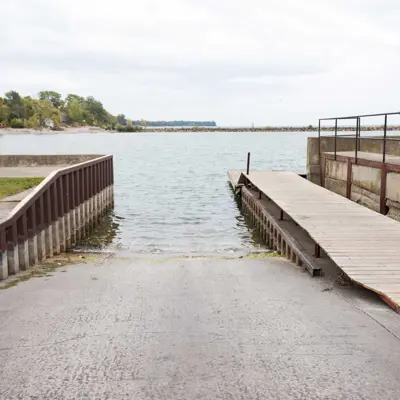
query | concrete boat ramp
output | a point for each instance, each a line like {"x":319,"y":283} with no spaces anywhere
{"x":362,"y":243}
{"x":247,"y":328}
{"x":184,"y":329}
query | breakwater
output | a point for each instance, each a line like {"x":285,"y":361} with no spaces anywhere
{"x":270,"y":129}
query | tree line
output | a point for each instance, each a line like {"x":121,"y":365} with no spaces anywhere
{"x":50,"y":109}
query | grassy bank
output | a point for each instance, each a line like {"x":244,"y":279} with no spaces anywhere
{"x":10,"y":186}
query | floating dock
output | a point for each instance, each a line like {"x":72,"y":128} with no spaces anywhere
{"x":362,"y":243}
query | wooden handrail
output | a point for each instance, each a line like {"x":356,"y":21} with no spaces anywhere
{"x":60,"y":192}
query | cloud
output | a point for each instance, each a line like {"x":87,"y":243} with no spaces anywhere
{"x":227,"y":60}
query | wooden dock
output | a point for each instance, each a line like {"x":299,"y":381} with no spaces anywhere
{"x":236,"y":180}
{"x":361,"y":242}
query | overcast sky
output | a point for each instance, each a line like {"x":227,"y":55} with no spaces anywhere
{"x":233,"y":61}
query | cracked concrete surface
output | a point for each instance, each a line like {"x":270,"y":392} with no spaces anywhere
{"x":195,"y":329}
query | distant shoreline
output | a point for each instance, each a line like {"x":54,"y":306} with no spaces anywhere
{"x":271,"y":129}
{"x":93,"y":129}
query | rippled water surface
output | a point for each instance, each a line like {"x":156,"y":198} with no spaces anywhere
{"x":171,"y":190}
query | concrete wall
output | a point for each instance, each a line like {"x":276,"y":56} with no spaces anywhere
{"x":365,"y":180}
{"x":365,"y":186}
{"x":369,"y":145}
{"x":393,"y":195}
{"x":24,"y":160}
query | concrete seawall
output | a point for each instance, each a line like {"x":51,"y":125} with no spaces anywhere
{"x":58,"y":213}
{"x":34,"y":160}
{"x":367,"y":181}
{"x":368,"y":185}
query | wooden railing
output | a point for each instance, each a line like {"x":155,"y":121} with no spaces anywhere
{"x":56,"y":215}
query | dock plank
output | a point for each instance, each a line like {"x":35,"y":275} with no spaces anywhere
{"x":362,"y":242}
{"x":234,"y":177}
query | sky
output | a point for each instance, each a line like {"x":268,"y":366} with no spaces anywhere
{"x":261,"y":62}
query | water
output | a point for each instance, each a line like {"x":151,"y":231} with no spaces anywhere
{"x":171,"y":190}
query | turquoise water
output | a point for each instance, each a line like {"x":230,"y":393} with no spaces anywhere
{"x":171,"y":190}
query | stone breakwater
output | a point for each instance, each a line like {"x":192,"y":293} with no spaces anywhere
{"x":270,"y":129}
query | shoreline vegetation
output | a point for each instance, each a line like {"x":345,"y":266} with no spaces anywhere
{"x":49,"y":110}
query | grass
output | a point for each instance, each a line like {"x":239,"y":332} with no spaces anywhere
{"x":10,"y":186}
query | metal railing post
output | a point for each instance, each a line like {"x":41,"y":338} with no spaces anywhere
{"x":335,"y":137}
{"x":248,"y":164}
{"x":319,"y":140}
{"x":356,"y":151}
{"x":384,"y":139}
{"x":357,"y":139}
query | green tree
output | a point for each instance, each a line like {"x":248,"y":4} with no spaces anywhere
{"x":29,"y":105}
{"x":70,"y":97}
{"x":111,"y":121}
{"x":121,"y":119}
{"x":16,"y":108}
{"x":95,"y":114}
{"x":3,"y":111}
{"x":75,"y":110}
{"x":17,"y":123}
{"x":34,"y":112}
{"x":54,"y":97}
{"x":39,"y":111}
{"x":47,"y":112}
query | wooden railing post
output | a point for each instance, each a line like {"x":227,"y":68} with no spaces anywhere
{"x":12,"y":248}
{"x":3,"y":255}
{"x":91,"y":194}
{"x":71,"y":202}
{"x":23,"y":249}
{"x":66,"y":211}
{"x":40,"y":230}
{"x":382,"y":198}
{"x":60,"y":213}
{"x":48,"y":224}
{"x":96,"y":193}
{"x":32,"y":238}
{"x":54,"y":218}
{"x":82,"y":205}
{"x":77,"y":209}
{"x":87,"y":196}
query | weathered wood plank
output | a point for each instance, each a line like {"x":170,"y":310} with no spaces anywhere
{"x":363,"y":243}
{"x":234,"y":178}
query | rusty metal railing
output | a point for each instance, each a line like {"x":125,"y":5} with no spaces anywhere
{"x":357,"y":137}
